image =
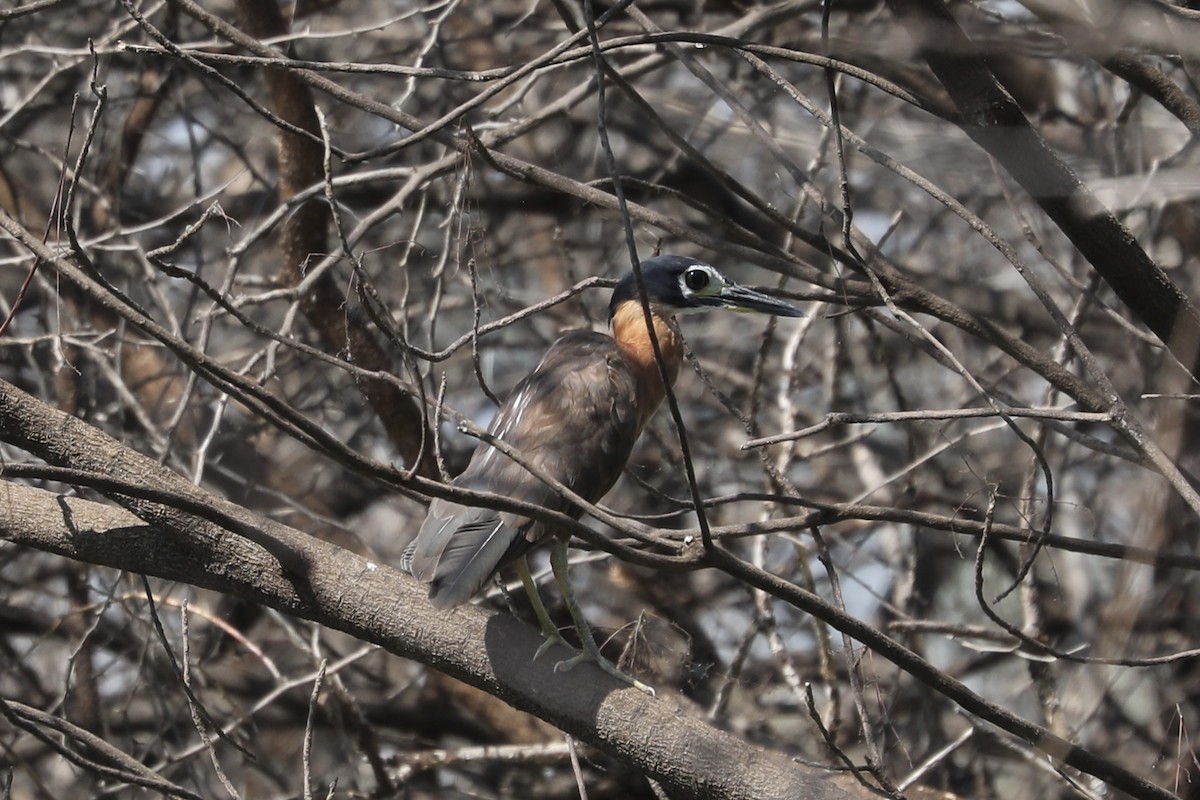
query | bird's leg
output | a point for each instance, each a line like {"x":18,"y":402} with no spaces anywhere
{"x":558,"y":564}
{"x":549,"y":629}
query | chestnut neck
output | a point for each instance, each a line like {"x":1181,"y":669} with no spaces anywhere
{"x":633,"y":339}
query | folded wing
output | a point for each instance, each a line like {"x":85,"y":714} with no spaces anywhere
{"x":574,"y":418}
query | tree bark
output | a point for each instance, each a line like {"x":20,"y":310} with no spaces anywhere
{"x":374,"y":603}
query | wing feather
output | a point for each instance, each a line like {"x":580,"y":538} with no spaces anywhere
{"x":573,"y":417}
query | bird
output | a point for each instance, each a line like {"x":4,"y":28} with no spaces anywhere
{"x":575,"y":417}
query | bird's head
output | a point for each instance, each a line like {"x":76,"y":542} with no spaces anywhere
{"x":681,"y":285}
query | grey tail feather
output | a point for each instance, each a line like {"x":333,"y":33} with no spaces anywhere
{"x":473,"y":554}
{"x":406,"y":558}
{"x":451,"y":598}
{"x":420,"y":558}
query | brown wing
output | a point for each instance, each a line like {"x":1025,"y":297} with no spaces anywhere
{"x":574,"y":417}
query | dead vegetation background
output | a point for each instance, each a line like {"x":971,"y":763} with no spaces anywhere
{"x":264,"y":265}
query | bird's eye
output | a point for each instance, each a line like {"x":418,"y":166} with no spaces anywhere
{"x":696,"y":279}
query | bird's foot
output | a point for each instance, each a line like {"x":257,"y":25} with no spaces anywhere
{"x":604,"y":664}
{"x":552,"y":638}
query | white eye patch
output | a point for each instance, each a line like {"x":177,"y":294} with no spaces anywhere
{"x":701,"y":280}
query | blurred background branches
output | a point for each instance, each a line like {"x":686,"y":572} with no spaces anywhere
{"x":292,"y":255}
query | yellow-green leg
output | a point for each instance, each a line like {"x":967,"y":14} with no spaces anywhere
{"x":549,"y":629}
{"x":558,"y":564}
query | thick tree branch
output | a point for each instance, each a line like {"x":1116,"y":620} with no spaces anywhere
{"x":344,"y":591}
{"x":377,"y":604}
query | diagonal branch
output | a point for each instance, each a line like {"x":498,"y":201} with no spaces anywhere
{"x":992,"y":118}
{"x":377,"y":604}
{"x":493,"y":652}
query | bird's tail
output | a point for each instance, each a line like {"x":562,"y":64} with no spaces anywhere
{"x":459,"y":548}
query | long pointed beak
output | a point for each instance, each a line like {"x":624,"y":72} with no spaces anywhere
{"x":740,"y":298}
